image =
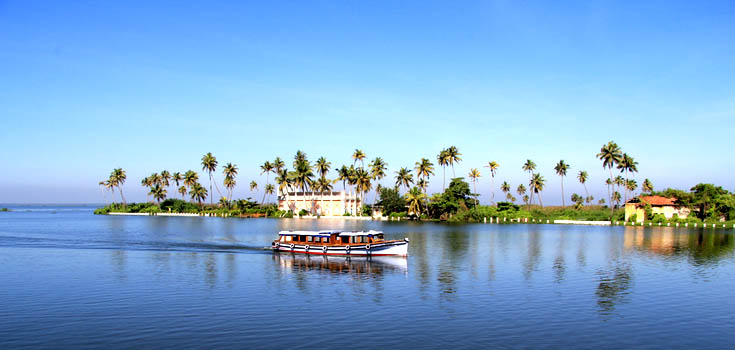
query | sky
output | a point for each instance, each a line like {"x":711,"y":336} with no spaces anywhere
{"x":88,"y":86}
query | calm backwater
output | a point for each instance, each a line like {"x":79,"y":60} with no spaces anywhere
{"x":70,"y":279}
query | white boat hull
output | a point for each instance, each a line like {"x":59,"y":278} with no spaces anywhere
{"x":395,"y":248}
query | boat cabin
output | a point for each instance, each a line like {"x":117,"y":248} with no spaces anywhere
{"x":330,"y":237}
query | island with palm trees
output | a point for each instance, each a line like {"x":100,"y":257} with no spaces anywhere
{"x":308,"y":190}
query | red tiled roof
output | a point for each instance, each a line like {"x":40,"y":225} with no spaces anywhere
{"x":658,"y":200}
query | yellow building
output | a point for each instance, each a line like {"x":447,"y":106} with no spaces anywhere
{"x":316,"y":203}
{"x":659,"y":205}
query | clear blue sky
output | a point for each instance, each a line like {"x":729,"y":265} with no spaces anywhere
{"x":89,"y":86}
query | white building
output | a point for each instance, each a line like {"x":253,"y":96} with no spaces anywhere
{"x":327,"y":203}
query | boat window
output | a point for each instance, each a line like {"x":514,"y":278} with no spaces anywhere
{"x":309,"y":238}
{"x":301,"y":239}
{"x":362,"y":239}
{"x":326,"y":240}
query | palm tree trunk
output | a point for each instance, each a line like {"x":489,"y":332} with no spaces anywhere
{"x":444,"y":180}
{"x":539,"y":199}
{"x":492,"y":189}
{"x":562,"y":192}
{"x":585,"y":191}
{"x":609,"y":195}
{"x":121,"y":195}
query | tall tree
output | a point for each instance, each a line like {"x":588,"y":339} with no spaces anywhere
{"x":253,"y":186}
{"x":647,"y":186}
{"x":628,"y":165}
{"x":610,"y":154}
{"x":322,"y":167}
{"x":582,"y":176}
{"x":415,"y":199}
{"x":363,"y":183}
{"x":182,"y":191}
{"x":521,"y":190}
{"x":190,"y":178}
{"x":284,"y":184}
{"x":377,"y":170}
{"x":177,"y":178}
{"x":404,"y":178}
{"x":529,"y":166}
{"x":537,"y":185}
{"x":358,"y":156}
{"x":493,"y":166}
{"x":454,"y":157}
{"x":303,"y":176}
{"x":269,"y":189}
{"x":561,"y":170}
{"x":443,"y":160}
{"x":343,"y":174}
{"x":278,"y":165}
{"x":198,"y":193}
{"x":474,"y":175}
{"x":424,"y":169}
{"x":322,"y":184}
{"x":209,"y":164}
{"x":230,"y":172}
{"x":158,"y":192}
{"x":505,"y":187}
{"x":117,"y":179}
{"x":147,"y":182}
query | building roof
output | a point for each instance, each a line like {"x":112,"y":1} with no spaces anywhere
{"x":655,"y":200}
{"x":328,"y":233}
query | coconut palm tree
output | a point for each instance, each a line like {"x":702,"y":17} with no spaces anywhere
{"x":322,"y":167}
{"x":443,"y":160}
{"x":269,"y":189}
{"x":190,"y":178}
{"x":253,"y":186}
{"x":165,"y":178}
{"x":474,"y":175}
{"x":537,"y":185}
{"x":322,"y":184}
{"x":647,"y":186}
{"x":146,"y":182}
{"x":158,"y":192}
{"x":616,"y":198}
{"x":628,"y":165}
{"x":415,"y":199}
{"x":209,"y":164}
{"x":453,"y":157}
{"x":303,"y":176}
{"x":630,"y":186}
{"x":198,"y":193}
{"x":521,"y":190}
{"x":358,"y":156}
{"x":230,"y":172}
{"x":619,"y":181}
{"x":529,"y":166}
{"x":404,"y":178}
{"x":117,"y":179}
{"x":182,"y":191}
{"x":343,"y":174}
{"x":561,"y":170}
{"x":377,"y":171}
{"x":352,"y":181}
{"x":610,"y":154}
{"x":278,"y":165}
{"x":493,"y":166}
{"x":363,"y":183}
{"x":424,"y":169}
{"x":284,"y":184}
{"x":177,"y":178}
{"x":505,"y":187}
{"x":582,"y":177}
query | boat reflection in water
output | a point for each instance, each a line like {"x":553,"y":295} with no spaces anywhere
{"x":342,"y":264}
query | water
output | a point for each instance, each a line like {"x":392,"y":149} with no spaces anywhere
{"x":71,"y":279}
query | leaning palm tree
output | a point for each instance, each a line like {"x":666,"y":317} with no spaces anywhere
{"x":404,"y":178}
{"x":358,"y":156}
{"x":284,"y":184}
{"x":198,"y":193}
{"x":453,"y":157}
{"x":165,"y":178}
{"x":415,"y":199}
{"x":616,"y":198}
{"x":190,"y":178}
{"x":117,"y":179}
{"x":474,"y":175}
{"x":529,"y":166}
{"x":177,"y":178}
{"x":582,"y":177}
{"x":158,"y":192}
{"x":628,"y":165}
{"x":230,"y":172}
{"x":561,"y":170}
{"x":647,"y":186}
{"x":209,"y":164}
{"x":505,"y":187}
{"x":537,"y":185}
{"x":443,"y":160}
{"x":182,"y":191}
{"x":610,"y":155}
{"x":146,"y":182}
{"x":278,"y":165}
{"x":266,"y":169}
{"x":493,"y":166}
{"x":630,"y":186}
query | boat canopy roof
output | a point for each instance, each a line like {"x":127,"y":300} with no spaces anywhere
{"x":328,"y":233}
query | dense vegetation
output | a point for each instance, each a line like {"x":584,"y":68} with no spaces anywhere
{"x":243,"y":207}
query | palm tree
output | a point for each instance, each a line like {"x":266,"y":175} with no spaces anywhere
{"x":352,"y":181}
{"x":529,"y":166}
{"x":474,"y":175}
{"x":616,"y":198}
{"x":630,"y":185}
{"x":404,"y":178}
{"x":610,"y":154}
{"x":521,"y":190}
{"x":322,"y":184}
{"x":561,"y":170}
{"x":278,"y":165}
{"x":117,"y":179}
{"x":322,"y":167}
{"x":146,"y":182}
{"x":177,"y":178}
{"x":424,"y":169}
{"x":619,"y":181}
{"x":536,"y":186}
{"x":230,"y":172}
{"x":190,"y":178}
{"x":266,"y":168}
{"x":359,"y":155}
{"x":377,"y":171}
{"x":158,"y":192}
{"x":182,"y":191}
{"x":362,"y":183}
{"x":165,"y":178}
{"x":343,"y":174}
{"x":415,"y":199}
{"x":627,"y":164}
{"x":198,"y":193}
{"x":253,"y":186}
{"x":284,"y":184}
{"x":303,"y":176}
{"x":269,"y":189}
{"x":209,"y":164}
{"x":647,"y":186}
{"x":443,"y":160}
{"x":582,"y":177}
{"x":453,"y":157}
{"x":493,"y":166}
{"x":505,"y":187}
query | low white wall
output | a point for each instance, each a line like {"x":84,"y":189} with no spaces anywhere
{"x":580,"y":222}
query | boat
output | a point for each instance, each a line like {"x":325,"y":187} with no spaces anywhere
{"x":353,"y":243}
